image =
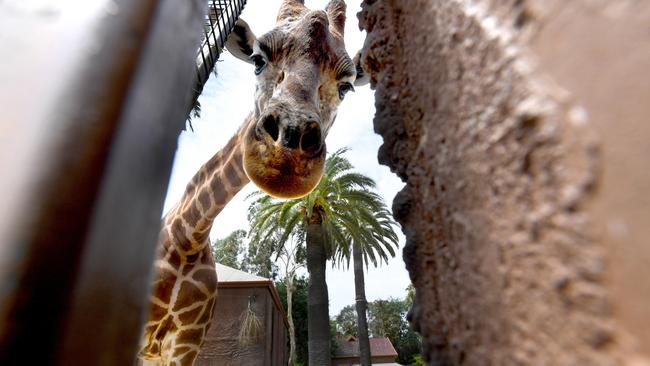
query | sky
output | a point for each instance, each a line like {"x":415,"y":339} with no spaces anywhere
{"x":228,"y":98}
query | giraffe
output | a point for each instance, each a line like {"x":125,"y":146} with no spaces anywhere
{"x":303,"y":73}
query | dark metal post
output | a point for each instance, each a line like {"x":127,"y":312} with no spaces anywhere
{"x":93,"y":99}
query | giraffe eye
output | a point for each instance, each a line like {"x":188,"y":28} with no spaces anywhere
{"x":344,"y":88}
{"x":259,"y":63}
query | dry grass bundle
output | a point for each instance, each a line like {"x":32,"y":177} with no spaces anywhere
{"x":251,"y":326}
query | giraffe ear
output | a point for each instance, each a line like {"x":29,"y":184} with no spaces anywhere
{"x":363,"y":77}
{"x":291,"y":9}
{"x":240,"y":42}
{"x":335,"y":10}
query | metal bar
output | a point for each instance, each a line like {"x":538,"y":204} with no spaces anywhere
{"x":232,"y":17}
{"x":226,"y":14}
{"x":214,"y":35}
{"x":89,"y":159}
{"x":211,"y":56}
{"x":222,"y":26}
{"x":206,"y":68}
{"x":198,"y":81}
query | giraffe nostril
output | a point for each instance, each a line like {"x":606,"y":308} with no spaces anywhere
{"x":291,"y":137}
{"x":270,"y":125}
{"x":311,"y":139}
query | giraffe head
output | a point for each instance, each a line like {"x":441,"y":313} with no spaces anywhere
{"x":303,"y":73}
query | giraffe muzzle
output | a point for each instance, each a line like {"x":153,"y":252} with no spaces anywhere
{"x":292,"y":135}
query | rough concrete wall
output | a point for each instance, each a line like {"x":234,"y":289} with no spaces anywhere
{"x":520,"y":130}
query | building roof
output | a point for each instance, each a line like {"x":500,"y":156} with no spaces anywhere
{"x":349,"y":347}
{"x":229,"y":274}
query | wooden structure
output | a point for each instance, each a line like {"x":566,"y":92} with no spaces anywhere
{"x":94,"y":94}
{"x":236,"y":290}
{"x":347,"y":351}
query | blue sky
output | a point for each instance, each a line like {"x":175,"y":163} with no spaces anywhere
{"x":228,"y":99}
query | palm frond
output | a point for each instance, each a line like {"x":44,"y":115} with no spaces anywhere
{"x":349,"y":209}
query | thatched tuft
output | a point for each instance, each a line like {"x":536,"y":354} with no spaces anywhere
{"x":251,"y":326}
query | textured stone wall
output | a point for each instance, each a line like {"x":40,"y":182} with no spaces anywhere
{"x":521,"y":131}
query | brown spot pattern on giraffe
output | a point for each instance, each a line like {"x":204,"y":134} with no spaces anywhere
{"x":165,"y":285}
{"x":218,"y":191}
{"x":192,"y":215}
{"x":206,"y":277}
{"x":190,"y":316}
{"x":174,"y":258}
{"x":155,"y":348}
{"x":200,"y":236}
{"x":238,"y":161}
{"x":181,"y":350}
{"x":156,"y":311}
{"x":232,"y":176}
{"x":178,"y":235}
{"x":193,"y":257}
{"x":187,"y":269}
{"x":189,"y":336}
{"x":204,"y":198}
{"x":188,"y":358}
{"x":188,"y":294}
{"x":166,"y":326}
{"x":207,"y":313}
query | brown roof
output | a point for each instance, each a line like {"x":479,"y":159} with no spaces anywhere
{"x":379,"y":347}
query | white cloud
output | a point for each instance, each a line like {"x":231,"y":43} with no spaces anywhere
{"x":227,"y":100}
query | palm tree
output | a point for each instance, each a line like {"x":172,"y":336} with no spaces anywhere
{"x":290,"y":252}
{"x":371,"y":244}
{"x":337,"y":212}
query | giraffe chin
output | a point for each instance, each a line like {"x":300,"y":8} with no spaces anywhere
{"x":281,"y":172}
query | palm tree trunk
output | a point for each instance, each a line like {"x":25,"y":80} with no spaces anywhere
{"x":361,"y":304}
{"x":292,"y":329}
{"x":318,"y":327}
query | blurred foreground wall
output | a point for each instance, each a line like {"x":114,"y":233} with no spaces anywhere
{"x":521,"y":128}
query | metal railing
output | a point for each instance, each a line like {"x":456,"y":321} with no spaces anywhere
{"x":98,"y":107}
{"x":219,"y":22}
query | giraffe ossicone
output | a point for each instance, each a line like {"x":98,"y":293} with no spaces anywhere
{"x":303,"y":73}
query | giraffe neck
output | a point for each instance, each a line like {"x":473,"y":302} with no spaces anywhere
{"x":209,"y":191}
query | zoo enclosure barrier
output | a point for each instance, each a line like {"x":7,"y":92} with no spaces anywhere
{"x":88,"y":133}
{"x":219,"y":22}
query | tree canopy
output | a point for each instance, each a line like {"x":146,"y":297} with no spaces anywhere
{"x":346,"y":321}
{"x":228,"y":250}
{"x":386,"y":318}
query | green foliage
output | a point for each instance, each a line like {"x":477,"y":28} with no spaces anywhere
{"x":344,"y":208}
{"x":408,"y":345}
{"x":299,"y":301}
{"x":348,"y":209}
{"x":346,"y":321}
{"x":418,"y":360}
{"x":227,"y":250}
{"x":333,"y":331}
{"x":274,"y":222}
{"x":410,"y":295}
{"x":373,"y":230}
{"x":259,"y":259}
{"x":387,"y":318}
